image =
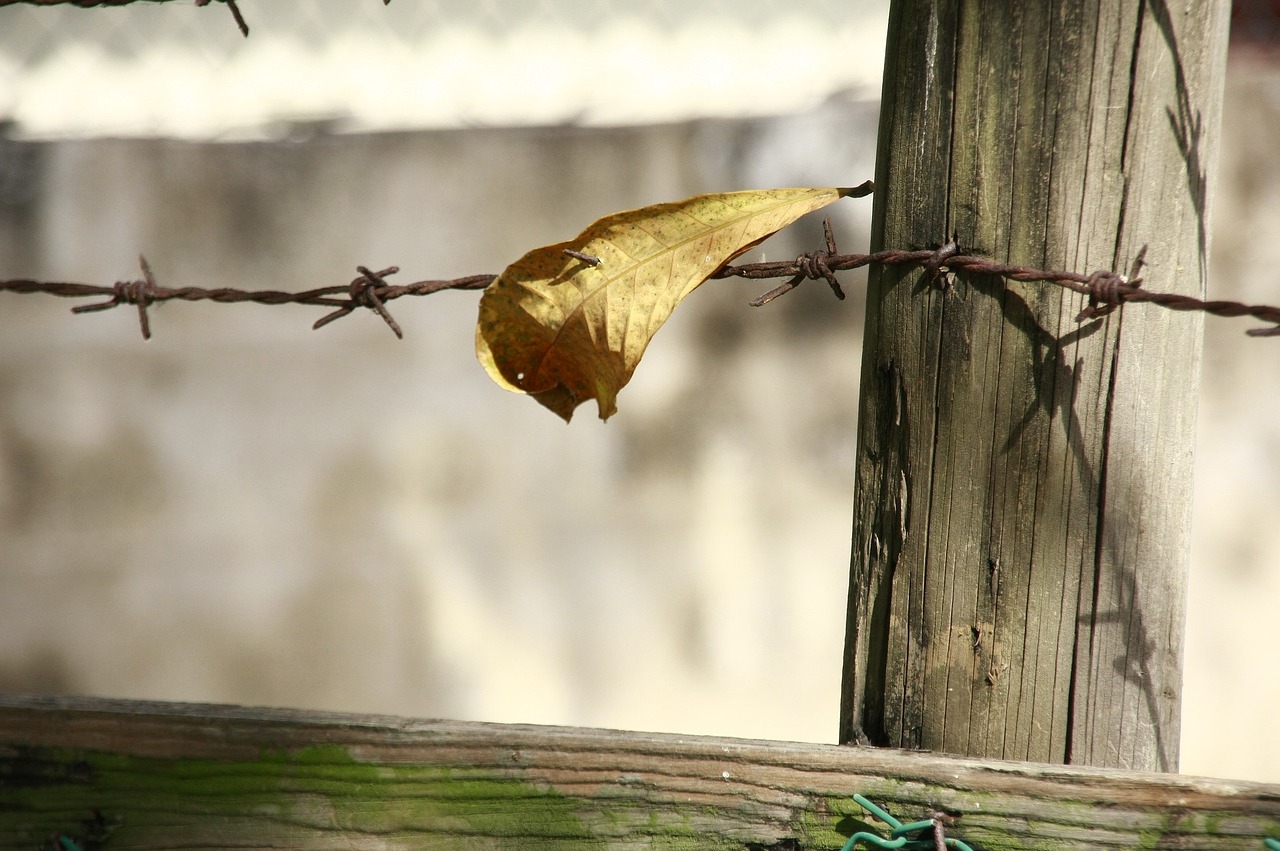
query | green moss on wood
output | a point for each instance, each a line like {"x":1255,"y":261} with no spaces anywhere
{"x":301,"y":799}
{"x":324,"y":796}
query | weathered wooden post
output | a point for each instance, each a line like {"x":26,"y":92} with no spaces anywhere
{"x":1020,"y":538}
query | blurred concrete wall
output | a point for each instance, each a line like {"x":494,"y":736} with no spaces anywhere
{"x":245,"y":510}
{"x":151,"y":69}
{"x":1232,"y":683}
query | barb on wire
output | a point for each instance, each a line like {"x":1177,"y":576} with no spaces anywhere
{"x":235,"y":13}
{"x":369,"y":290}
{"x":812,"y":266}
{"x":91,"y":4}
{"x":140,"y":293}
{"x":1106,"y":290}
{"x":364,"y":293}
{"x":589,"y":259}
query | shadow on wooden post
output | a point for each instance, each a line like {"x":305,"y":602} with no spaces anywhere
{"x":1021,"y":523}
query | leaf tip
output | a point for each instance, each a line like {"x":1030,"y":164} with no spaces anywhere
{"x":606,"y":401}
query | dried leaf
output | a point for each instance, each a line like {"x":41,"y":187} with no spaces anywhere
{"x":565,"y":329}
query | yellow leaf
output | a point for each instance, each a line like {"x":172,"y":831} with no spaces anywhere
{"x":566,"y":329}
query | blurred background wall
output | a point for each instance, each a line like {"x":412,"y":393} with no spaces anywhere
{"x":245,"y":510}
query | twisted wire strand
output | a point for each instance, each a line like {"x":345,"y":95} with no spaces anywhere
{"x":1106,"y":289}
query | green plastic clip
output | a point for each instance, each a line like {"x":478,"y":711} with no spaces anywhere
{"x":900,"y":837}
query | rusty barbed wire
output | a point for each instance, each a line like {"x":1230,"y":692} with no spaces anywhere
{"x":1106,"y":289}
{"x":91,"y":4}
{"x":369,"y":290}
{"x":235,"y":14}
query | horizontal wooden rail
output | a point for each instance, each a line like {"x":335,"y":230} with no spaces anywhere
{"x":125,"y":774}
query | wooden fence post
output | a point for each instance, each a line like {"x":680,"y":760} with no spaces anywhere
{"x":1020,"y":535}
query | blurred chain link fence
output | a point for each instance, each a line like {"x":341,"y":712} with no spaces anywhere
{"x":172,"y":69}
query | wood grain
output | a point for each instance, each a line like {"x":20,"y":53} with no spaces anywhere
{"x":1021,"y":523}
{"x":199,"y":776}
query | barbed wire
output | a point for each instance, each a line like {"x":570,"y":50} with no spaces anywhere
{"x":369,"y":290}
{"x":1106,"y":289}
{"x":91,"y":4}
